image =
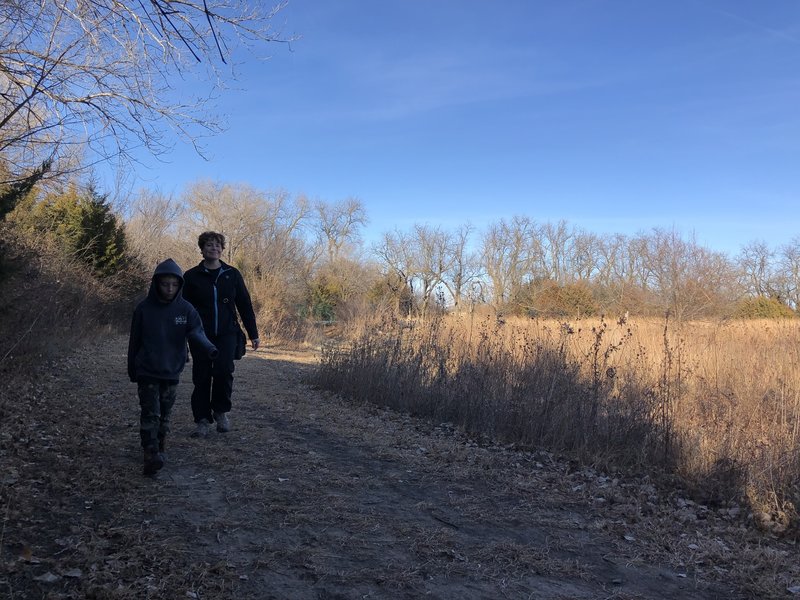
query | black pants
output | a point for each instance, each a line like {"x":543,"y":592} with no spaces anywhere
{"x":156,"y":399}
{"x":213,"y":379}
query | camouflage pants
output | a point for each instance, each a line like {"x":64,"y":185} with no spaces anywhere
{"x":156,"y":399}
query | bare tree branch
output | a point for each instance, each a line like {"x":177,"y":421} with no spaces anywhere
{"x":102,"y":73}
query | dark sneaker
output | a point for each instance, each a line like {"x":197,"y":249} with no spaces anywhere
{"x":201,"y":430}
{"x":223,"y":424}
{"x":153,"y":461}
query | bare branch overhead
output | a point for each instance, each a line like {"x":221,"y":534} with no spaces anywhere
{"x":103,"y":73}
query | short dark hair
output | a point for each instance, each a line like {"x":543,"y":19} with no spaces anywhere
{"x":210,"y":235}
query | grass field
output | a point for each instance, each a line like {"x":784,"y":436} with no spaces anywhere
{"x":715,"y":404}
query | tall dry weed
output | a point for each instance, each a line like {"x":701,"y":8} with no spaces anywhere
{"x":716,"y":403}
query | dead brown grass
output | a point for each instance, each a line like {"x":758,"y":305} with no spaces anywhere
{"x":50,"y":302}
{"x":717,"y":404}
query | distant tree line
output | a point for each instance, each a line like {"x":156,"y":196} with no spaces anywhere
{"x":306,"y":260}
{"x":524,"y":267}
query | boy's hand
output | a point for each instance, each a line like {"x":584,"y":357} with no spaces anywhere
{"x":213,"y":352}
{"x":255,"y":343}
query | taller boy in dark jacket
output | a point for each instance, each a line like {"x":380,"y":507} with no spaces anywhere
{"x":162,"y":323}
{"x":218,"y":292}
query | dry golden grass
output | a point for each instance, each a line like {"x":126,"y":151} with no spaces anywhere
{"x":715,"y":403}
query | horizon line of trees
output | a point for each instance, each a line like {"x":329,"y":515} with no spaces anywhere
{"x":525,"y":267}
{"x":306,"y":259}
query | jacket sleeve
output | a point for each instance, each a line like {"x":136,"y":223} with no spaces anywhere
{"x":197,"y":335}
{"x":134,"y":343}
{"x":244,"y":306}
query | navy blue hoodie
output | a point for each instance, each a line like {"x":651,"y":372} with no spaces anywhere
{"x":159,"y":330}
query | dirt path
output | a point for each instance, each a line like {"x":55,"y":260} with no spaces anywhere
{"x":307,"y":497}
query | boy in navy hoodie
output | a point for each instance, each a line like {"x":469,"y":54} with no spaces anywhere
{"x":161,"y":325}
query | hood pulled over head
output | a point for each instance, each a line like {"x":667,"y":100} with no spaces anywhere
{"x":168,"y":267}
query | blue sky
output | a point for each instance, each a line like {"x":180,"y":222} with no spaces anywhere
{"x":615,"y":115}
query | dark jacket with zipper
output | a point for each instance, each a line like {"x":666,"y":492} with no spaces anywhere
{"x":218,"y":295}
{"x":159,"y":330}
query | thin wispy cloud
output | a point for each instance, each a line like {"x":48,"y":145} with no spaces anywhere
{"x":791,"y":34}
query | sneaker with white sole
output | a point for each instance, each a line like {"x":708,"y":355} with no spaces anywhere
{"x":223,"y":424}
{"x":201,"y":430}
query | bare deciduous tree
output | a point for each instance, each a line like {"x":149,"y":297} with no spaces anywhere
{"x":340,"y":224}
{"x":432,"y":258}
{"x":789,"y":268}
{"x":586,"y":259}
{"x":755,"y":262}
{"x":510,"y":253}
{"x":555,"y":257}
{"x":151,"y":229}
{"x":100,"y":73}
{"x":688,"y":279}
{"x":236,"y":210}
{"x":395,"y":258}
{"x":465,"y":267}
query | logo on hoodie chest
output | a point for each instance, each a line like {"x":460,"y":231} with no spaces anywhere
{"x":180,"y":320}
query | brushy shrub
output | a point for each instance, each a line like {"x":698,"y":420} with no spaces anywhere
{"x":763,"y":307}
{"x":324,"y":295}
{"x":48,"y":301}
{"x":573,"y":300}
{"x":392,"y":290}
{"x":278,"y":307}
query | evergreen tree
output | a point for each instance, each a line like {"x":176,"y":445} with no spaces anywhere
{"x":82,"y":222}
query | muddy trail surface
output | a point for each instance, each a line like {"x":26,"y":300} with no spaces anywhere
{"x":311,"y":497}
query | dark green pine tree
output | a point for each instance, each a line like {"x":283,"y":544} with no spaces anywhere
{"x":83,"y":223}
{"x":99,"y":237}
